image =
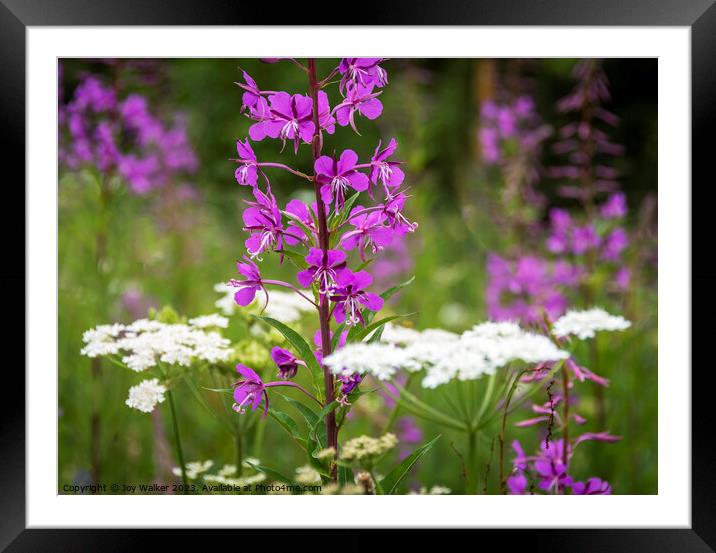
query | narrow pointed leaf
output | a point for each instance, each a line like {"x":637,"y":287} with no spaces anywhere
{"x":395,"y":477}
{"x":304,"y":351}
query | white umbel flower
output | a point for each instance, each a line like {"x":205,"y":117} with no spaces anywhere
{"x":194,"y":468}
{"x":101,"y":340}
{"x":144,"y":343}
{"x":207,"y":321}
{"x":380,"y":360}
{"x":585,"y":324}
{"x":145,"y":395}
{"x":435,"y":490}
{"x":403,"y":336}
{"x":445,"y":356}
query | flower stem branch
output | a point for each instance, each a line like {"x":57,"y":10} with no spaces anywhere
{"x":177,"y":442}
{"x":472,"y":463}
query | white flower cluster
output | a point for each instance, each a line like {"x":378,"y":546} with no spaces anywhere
{"x":144,"y":343}
{"x":232,"y":481}
{"x":208,"y":321}
{"x":444,"y":355}
{"x":345,"y":489}
{"x":403,"y":335}
{"x":584,"y":324}
{"x":194,"y":469}
{"x":435,"y":490}
{"x":286,"y":307}
{"x":307,"y":475}
{"x":365,"y":449}
{"x":225,"y":475}
{"x":145,"y":395}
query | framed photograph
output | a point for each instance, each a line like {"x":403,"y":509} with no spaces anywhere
{"x":446,"y":286}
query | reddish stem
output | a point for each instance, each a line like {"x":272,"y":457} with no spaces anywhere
{"x":324,"y":315}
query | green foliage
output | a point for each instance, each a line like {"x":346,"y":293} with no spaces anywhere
{"x":392,"y":480}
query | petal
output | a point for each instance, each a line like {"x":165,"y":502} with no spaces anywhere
{"x":244,"y":150}
{"x":343,"y":115}
{"x":371,"y":109}
{"x":324,"y":166}
{"x":240,"y":393}
{"x":281,"y":355}
{"x":382,"y":236}
{"x":249,"y":269}
{"x":245,"y":295}
{"x":273,"y":129}
{"x":299,"y":209}
{"x":294,"y":235}
{"x":326,"y":194}
{"x":249,"y":80}
{"x":307,"y":129}
{"x":397,"y":177}
{"x":281,"y":103}
{"x":257,"y":400}
{"x":248,"y":373}
{"x":359,"y":181}
{"x":373,"y":302}
{"x":350,"y":240}
{"x":304,"y":105}
{"x":390,"y":149}
{"x":253,"y":244}
{"x":344,"y":277}
{"x":253,"y":218}
{"x":257,"y":132}
{"x":348,"y":160}
{"x":305,"y":278}
{"x":315,"y":257}
{"x":362,"y":280}
{"x":335,"y":257}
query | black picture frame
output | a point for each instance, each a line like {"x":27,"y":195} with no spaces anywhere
{"x":699,"y":15}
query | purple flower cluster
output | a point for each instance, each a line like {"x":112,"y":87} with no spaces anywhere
{"x":601,"y":239}
{"x":525,"y":289}
{"x":123,"y":136}
{"x":510,"y":127}
{"x":577,"y":247}
{"x":584,"y":145}
{"x":338,"y":179}
{"x":548,"y":470}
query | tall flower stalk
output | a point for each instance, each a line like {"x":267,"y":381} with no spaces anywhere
{"x":323,"y":307}
{"x":330,"y":233}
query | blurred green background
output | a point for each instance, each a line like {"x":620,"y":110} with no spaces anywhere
{"x":170,"y":249}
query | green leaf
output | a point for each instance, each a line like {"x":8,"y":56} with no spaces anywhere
{"x":378,"y":324}
{"x":219,"y":390}
{"x":316,"y":436}
{"x":396,"y":476}
{"x":345,"y":475}
{"x":275,"y":475}
{"x":296,"y":221}
{"x":289,"y":425}
{"x":321,"y":417}
{"x":364,"y":264}
{"x":345,"y":212}
{"x":296,"y":257}
{"x":200,"y":398}
{"x":304,"y":351}
{"x":337,"y":335}
{"x":312,"y":420}
{"x":390,"y":292}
